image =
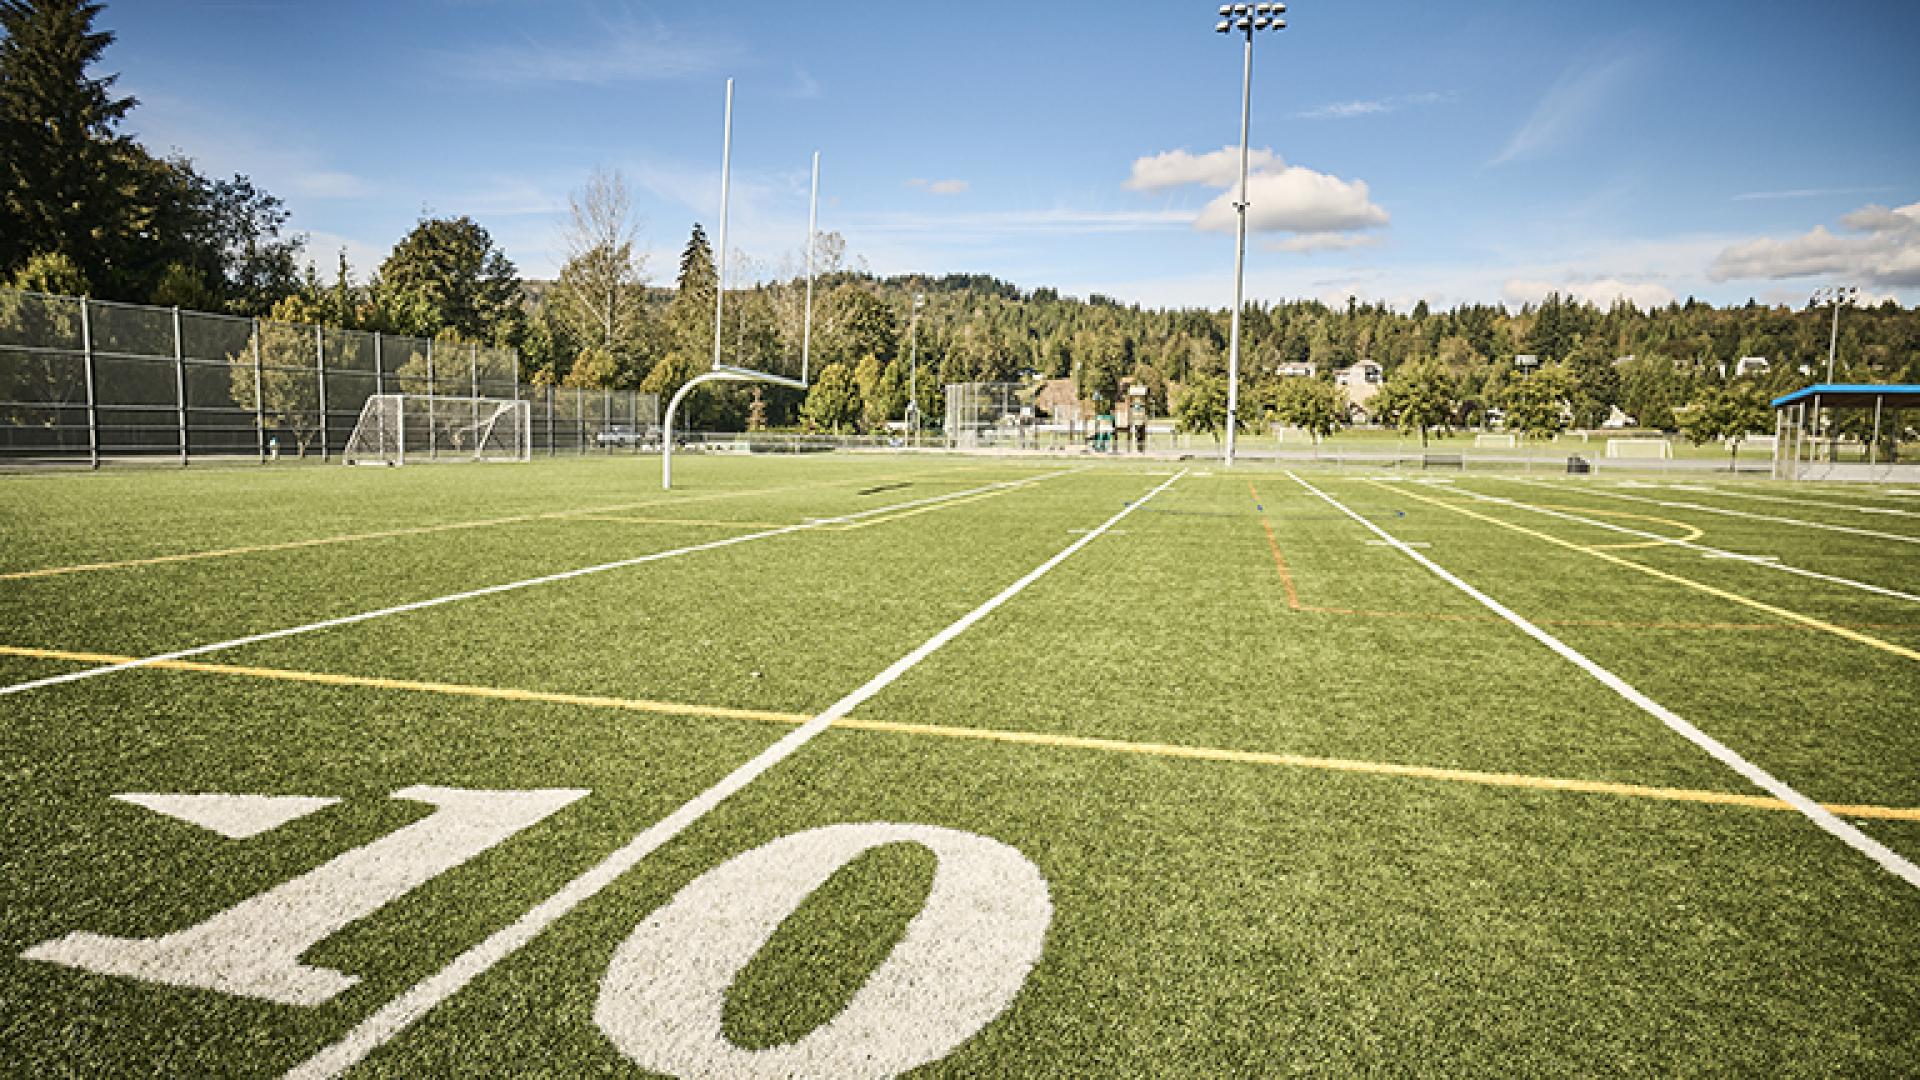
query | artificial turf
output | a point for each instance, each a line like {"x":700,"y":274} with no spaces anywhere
{"x":1285,"y":899}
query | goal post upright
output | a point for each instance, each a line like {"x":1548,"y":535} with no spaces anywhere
{"x":722,"y":371}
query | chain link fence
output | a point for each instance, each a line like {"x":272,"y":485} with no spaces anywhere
{"x":91,"y":381}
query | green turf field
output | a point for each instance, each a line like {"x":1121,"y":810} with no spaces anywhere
{"x":852,"y":764}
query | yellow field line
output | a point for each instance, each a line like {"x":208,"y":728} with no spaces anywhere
{"x":1701,"y":586}
{"x":1694,"y":532}
{"x":1023,"y":738}
{"x":1372,"y":768}
{"x":421,"y":530}
{"x":325,"y":678}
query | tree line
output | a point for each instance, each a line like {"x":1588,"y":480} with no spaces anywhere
{"x":84,"y":209}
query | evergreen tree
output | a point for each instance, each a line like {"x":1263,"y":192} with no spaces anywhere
{"x":64,"y":167}
{"x":690,"y":315}
{"x":446,"y":275}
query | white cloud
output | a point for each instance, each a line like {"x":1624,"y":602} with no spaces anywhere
{"x":1298,"y":200}
{"x":1877,"y":247}
{"x":1348,"y":110}
{"x":1646,"y":271}
{"x":1178,"y":168}
{"x":1280,"y":197}
{"x":624,"y":49}
{"x":1600,"y":292}
{"x":987,"y":225}
{"x":323,"y":254}
{"x":1572,"y":100}
{"x":804,"y":85}
{"x":326,"y":184}
{"x":1805,"y":193}
{"x":939,"y":187}
{"x":1311,"y":242}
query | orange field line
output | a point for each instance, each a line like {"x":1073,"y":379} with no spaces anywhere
{"x":1294,"y":603}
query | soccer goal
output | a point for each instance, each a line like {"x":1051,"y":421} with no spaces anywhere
{"x":395,"y":429}
{"x":1498,"y":440}
{"x":1645,"y":449}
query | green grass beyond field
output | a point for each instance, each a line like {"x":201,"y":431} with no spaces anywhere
{"x":1235,"y":787}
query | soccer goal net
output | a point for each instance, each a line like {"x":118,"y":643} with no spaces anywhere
{"x":395,"y":429}
{"x":1503,"y":441}
{"x":1649,"y":449}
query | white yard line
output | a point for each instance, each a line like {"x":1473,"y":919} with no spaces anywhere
{"x":1863,"y":586}
{"x":492,"y":590}
{"x":1732,"y":494}
{"x":395,"y":1016}
{"x":1775,"y":518}
{"x":1866,"y":845}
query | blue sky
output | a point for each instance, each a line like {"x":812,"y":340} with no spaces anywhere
{"x":1452,"y":152}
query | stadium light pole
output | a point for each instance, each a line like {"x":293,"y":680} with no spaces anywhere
{"x":806,"y":319}
{"x":1247,"y":19}
{"x":913,"y":367}
{"x":1838,"y":296}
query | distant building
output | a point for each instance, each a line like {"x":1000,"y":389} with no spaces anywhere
{"x":1752,"y":365}
{"x":1362,"y":382}
{"x":1297,"y":371}
{"x":1526,"y":361}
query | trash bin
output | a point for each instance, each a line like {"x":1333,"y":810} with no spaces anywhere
{"x":1579,"y":465}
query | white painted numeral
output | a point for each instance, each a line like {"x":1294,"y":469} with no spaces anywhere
{"x":959,"y":964}
{"x":253,"y":949}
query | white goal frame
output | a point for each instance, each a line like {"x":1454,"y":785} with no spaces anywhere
{"x":1496,"y":440}
{"x":1659,"y":449}
{"x":394,"y":429}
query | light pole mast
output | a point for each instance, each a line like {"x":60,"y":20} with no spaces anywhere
{"x":1839,"y":296}
{"x":1245,"y":18}
{"x":913,"y":367}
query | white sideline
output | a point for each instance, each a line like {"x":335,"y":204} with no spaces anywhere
{"x":1712,"y":552}
{"x":1819,"y":815}
{"x":546,"y":579}
{"x":1802,"y":522}
{"x":1855,"y":507}
{"x":393,"y":1017}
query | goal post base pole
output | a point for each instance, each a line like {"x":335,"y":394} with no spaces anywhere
{"x":720,"y":373}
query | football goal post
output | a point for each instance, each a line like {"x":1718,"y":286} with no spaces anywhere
{"x":395,"y":429}
{"x":1494,"y":440}
{"x":1643,"y":449}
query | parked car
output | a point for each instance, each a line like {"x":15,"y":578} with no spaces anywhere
{"x":617,"y":435}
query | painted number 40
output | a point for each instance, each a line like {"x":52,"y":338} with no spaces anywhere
{"x":960,"y":962}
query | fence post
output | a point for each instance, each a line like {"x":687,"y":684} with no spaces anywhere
{"x":379,"y":364}
{"x":180,"y":385}
{"x":473,"y":380}
{"x":633,"y":415}
{"x":93,"y":411}
{"x":433,"y":443}
{"x":320,"y":373}
{"x":549,"y":421}
{"x":580,"y":416}
{"x":606,"y":412}
{"x":259,"y":397}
